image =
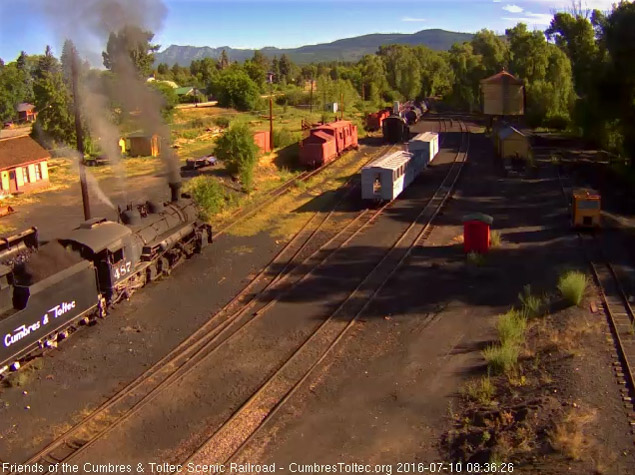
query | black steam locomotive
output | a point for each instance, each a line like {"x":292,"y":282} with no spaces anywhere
{"x":47,"y":290}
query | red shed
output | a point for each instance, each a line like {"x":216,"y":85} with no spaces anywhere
{"x":317,"y":149}
{"x":476,"y":232}
{"x":263,"y":141}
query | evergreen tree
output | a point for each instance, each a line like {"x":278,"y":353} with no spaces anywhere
{"x":223,"y":61}
{"x":55,"y":121}
{"x":130,"y":45}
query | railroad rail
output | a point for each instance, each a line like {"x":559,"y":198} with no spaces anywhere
{"x":218,"y":330}
{"x":616,"y":306}
{"x":240,"y":428}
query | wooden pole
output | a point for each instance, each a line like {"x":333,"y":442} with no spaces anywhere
{"x":271,"y":119}
{"x":79,"y":136}
{"x":311,"y":98}
{"x":341,"y":105}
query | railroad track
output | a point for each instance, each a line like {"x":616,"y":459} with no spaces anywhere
{"x":259,"y":295}
{"x":251,"y":417}
{"x":616,"y":306}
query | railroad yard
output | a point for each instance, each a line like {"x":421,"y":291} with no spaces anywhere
{"x":392,"y":253}
{"x":355,"y":335}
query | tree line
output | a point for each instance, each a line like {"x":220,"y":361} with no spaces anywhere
{"x":578,"y":74}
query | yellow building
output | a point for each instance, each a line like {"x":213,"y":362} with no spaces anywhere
{"x":511,"y":142}
{"x":23,"y":165}
{"x":503,"y":94}
{"x":144,"y":145}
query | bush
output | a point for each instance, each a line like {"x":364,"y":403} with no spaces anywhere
{"x":572,"y":285}
{"x":495,"y":238}
{"x":511,"y":327}
{"x":237,"y":149}
{"x":501,"y":358}
{"x":222,"y":121}
{"x":208,"y":194}
{"x":234,"y":88}
{"x":284,"y":137}
{"x":475,"y":259}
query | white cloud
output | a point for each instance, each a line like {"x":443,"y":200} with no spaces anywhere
{"x":513,"y":9}
{"x":532,"y":18}
{"x":409,"y":18}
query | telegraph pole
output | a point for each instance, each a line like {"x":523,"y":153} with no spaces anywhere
{"x":341,"y":105}
{"x":79,"y":133}
{"x":311,"y":98}
{"x":270,"y":80}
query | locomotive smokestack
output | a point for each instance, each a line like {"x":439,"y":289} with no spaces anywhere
{"x":175,"y":188}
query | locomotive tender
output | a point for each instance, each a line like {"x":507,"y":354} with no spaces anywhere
{"x":46,"y":290}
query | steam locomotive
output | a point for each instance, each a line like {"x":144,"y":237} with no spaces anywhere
{"x":45,"y":291}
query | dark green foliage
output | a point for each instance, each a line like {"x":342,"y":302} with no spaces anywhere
{"x":237,"y":149}
{"x":169,"y":98}
{"x":12,"y":90}
{"x":234,"y":88}
{"x":208,"y":194}
{"x":284,"y":137}
{"x":55,"y":121}
{"x":130,"y":46}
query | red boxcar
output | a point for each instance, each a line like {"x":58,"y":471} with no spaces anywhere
{"x":263,"y":140}
{"x":327,"y":142}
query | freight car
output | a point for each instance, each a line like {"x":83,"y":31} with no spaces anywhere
{"x":45,"y":292}
{"x":328,"y":141}
{"x":375,"y":120}
{"x":385,"y":178}
{"x":395,"y":129}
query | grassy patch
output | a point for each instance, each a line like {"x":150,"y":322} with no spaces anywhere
{"x":501,"y":358}
{"x":572,"y":285}
{"x":511,"y":327}
{"x":25,"y":374}
{"x":480,"y":390}
{"x":495,"y":238}
{"x":475,"y":259}
{"x":568,"y":435}
{"x":532,"y":305}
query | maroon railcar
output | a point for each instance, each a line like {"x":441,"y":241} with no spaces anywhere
{"x":328,"y":141}
{"x":375,"y":120}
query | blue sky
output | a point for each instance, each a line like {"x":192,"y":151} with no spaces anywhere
{"x":281,"y":23}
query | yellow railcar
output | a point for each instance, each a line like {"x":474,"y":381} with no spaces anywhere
{"x":586,"y":209}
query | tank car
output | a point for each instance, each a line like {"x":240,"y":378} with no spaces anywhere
{"x":395,"y":129}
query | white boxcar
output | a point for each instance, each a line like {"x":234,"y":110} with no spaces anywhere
{"x":384,"y":178}
{"x":424,"y":147}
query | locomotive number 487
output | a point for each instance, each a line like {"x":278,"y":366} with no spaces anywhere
{"x":121,"y":270}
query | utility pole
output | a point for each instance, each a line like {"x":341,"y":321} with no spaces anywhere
{"x":311,"y":98}
{"x":341,"y":105}
{"x":271,"y":109}
{"x":79,"y":133}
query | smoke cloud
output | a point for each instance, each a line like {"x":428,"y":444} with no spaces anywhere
{"x":89,"y":23}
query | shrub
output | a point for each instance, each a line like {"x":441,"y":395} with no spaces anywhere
{"x":475,"y":259}
{"x":481,"y":390}
{"x":501,"y":358}
{"x":284,"y":137}
{"x":208,"y":194}
{"x":234,"y":88}
{"x":511,"y":327}
{"x":237,"y":149}
{"x":222,"y":121}
{"x":532,"y":305}
{"x":572,"y":285}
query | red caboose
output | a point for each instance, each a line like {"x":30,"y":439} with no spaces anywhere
{"x":375,"y":120}
{"x":315,"y":150}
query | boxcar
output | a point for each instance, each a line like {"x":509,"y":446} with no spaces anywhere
{"x":328,"y":141}
{"x":386,"y":177}
{"x":424,"y":147}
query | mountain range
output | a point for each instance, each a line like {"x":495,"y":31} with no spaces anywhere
{"x":348,"y":49}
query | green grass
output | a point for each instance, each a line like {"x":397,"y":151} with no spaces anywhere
{"x":208,"y":194}
{"x":475,"y":259}
{"x":481,"y":390}
{"x":501,"y":358}
{"x":572,"y":285}
{"x":532,"y":305}
{"x":511,"y":327}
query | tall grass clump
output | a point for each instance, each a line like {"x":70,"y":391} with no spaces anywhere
{"x":511,"y":327}
{"x":284,"y":137}
{"x":475,"y":259}
{"x":572,"y":285}
{"x":495,"y":238}
{"x":501,"y":358}
{"x":208,"y":194}
{"x":481,"y":390}
{"x":532,"y":305}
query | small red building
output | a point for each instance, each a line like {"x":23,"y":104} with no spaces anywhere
{"x":476,"y":232}
{"x":263,"y":141}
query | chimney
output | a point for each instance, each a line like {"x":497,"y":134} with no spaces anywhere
{"x":175,"y":188}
